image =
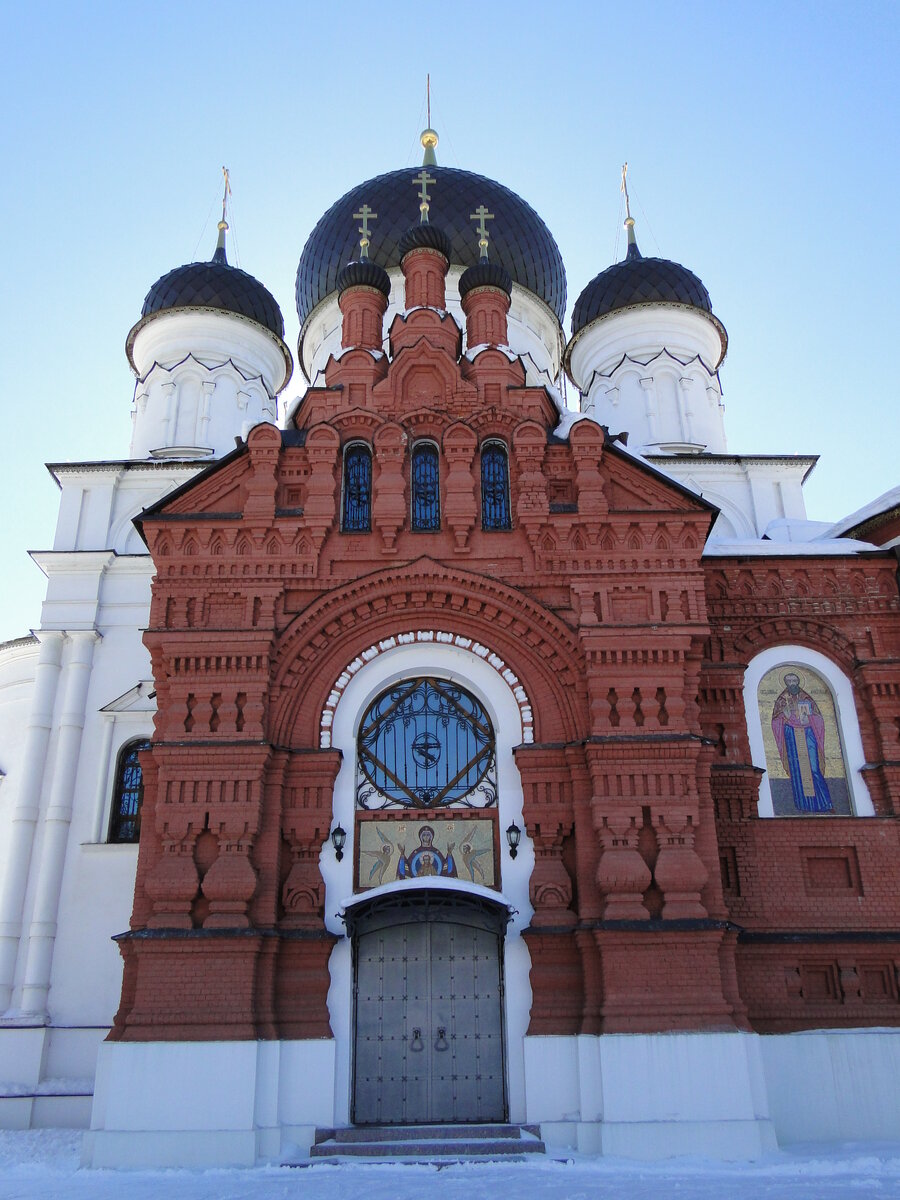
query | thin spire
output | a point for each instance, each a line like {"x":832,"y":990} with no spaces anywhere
{"x":481,"y":215}
{"x":365,"y":215}
{"x":632,"y":251}
{"x":429,"y":138}
{"x":220,"y":256}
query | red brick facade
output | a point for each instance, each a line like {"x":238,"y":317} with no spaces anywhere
{"x":662,"y":901}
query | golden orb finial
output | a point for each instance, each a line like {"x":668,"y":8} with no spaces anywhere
{"x":429,"y":141}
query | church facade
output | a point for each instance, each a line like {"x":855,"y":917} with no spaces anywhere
{"x":443,"y":755}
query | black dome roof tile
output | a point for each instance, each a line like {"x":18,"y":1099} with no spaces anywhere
{"x":215,"y":285}
{"x":485,"y":274}
{"x":520,"y":241}
{"x":425,"y":236}
{"x":364,"y":273}
{"x":638,"y":280}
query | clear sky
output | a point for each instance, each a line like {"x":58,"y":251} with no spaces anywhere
{"x":762,"y":140}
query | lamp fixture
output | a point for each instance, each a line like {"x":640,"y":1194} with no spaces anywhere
{"x":513,"y":837}
{"x":338,"y":840}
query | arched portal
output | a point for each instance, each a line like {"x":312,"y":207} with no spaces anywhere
{"x":428,"y":1027}
{"x":426,"y":725}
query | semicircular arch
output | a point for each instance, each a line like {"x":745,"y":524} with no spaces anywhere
{"x":426,"y":598}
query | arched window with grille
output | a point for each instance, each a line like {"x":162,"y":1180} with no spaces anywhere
{"x":128,"y":792}
{"x":495,"y":507}
{"x":426,"y":489}
{"x":356,"y":516}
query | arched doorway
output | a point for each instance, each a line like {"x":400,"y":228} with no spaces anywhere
{"x":428,"y":1035}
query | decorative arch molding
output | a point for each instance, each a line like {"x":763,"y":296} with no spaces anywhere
{"x":810,"y":634}
{"x":427,"y":637}
{"x":425,"y":597}
{"x":845,"y":708}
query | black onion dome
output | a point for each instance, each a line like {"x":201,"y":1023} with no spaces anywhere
{"x":635,"y":281}
{"x":485,"y":274}
{"x":362,"y":272}
{"x":425,"y":236}
{"x":520,"y":241}
{"x":215,"y":285}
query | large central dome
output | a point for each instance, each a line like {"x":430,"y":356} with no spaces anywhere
{"x":519,"y":239}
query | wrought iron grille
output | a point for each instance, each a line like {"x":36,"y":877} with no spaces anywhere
{"x":495,"y":512}
{"x":357,"y":515}
{"x":125,"y":819}
{"x":426,"y":743}
{"x":426,"y":499}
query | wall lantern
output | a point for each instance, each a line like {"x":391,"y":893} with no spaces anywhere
{"x":513,"y":836}
{"x":338,"y":840}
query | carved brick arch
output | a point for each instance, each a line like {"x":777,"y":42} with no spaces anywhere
{"x":424,"y":596}
{"x":813,"y":634}
{"x":495,"y":422}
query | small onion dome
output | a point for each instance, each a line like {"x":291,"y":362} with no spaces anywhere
{"x":425,"y":236}
{"x":218,"y":287}
{"x":636,"y":281}
{"x":485,"y":274}
{"x":362,"y":272}
{"x":215,"y":285}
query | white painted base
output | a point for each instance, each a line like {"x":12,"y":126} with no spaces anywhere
{"x":650,"y":1095}
{"x":829,"y":1085}
{"x":46,"y":1075}
{"x":725,"y":1096}
{"x":210,"y":1104}
{"x":722,"y":1096}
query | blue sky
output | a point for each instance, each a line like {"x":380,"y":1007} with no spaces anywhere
{"x":762,"y":142}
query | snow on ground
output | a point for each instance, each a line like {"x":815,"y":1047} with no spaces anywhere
{"x":44,"y":1165}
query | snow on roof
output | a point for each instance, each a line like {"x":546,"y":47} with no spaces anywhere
{"x":889,"y":499}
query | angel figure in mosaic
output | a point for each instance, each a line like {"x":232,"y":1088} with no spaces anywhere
{"x":382,"y":859}
{"x":470,"y":857}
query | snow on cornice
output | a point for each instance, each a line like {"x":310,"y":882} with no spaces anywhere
{"x":741,"y":548}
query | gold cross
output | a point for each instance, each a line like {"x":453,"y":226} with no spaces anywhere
{"x":624,"y":188}
{"x":481,"y":215}
{"x":365,"y":214}
{"x":423,"y":179}
{"x":227,"y":191}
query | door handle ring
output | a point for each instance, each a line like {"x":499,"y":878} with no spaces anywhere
{"x":416,"y":1044}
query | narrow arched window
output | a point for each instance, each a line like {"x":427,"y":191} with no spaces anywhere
{"x":426,"y":491}
{"x":357,"y":510}
{"x":495,"y":509}
{"x":128,"y":792}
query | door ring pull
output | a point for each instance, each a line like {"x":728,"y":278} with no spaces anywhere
{"x":417,"y":1044}
{"x":441,"y":1042}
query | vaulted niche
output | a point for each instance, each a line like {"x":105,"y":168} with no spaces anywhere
{"x":426,"y":791}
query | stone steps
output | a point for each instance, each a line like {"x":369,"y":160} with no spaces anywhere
{"x":426,"y":1144}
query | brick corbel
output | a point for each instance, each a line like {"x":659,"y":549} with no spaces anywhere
{"x":460,"y":508}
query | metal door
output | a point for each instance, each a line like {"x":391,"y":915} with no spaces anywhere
{"x":428,"y":1030}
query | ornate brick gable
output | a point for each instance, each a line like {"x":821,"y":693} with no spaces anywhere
{"x":639,"y":791}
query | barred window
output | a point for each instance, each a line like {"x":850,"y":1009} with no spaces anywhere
{"x":357,"y":510}
{"x":495,"y":508}
{"x":125,"y":818}
{"x":426,"y":498}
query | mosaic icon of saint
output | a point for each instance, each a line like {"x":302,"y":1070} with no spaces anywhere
{"x":799,"y":730}
{"x":426,"y":860}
